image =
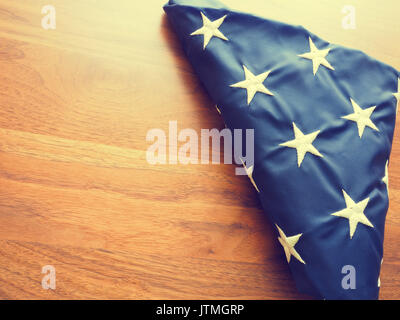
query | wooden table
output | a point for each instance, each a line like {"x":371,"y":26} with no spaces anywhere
{"x":76,"y":191}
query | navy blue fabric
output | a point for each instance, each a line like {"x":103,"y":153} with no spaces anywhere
{"x":301,"y":200}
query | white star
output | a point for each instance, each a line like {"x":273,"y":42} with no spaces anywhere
{"x":253,"y":84}
{"x":317,"y":56}
{"x":397,"y":94}
{"x":302,"y":143}
{"x":385,"y":179}
{"x":249,"y":172}
{"x":288,"y":244}
{"x":354,"y":212}
{"x":379,"y":278}
{"x":361,"y":117}
{"x":210,"y":29}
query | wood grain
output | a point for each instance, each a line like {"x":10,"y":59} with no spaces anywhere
{"x":76,"y":190}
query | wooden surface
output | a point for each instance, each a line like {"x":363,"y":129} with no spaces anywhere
{"x":76,"y":191}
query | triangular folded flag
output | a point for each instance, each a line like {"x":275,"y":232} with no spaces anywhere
{"x":323,"y":119}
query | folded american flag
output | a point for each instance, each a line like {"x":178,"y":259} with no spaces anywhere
{"x":323,"y":116}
